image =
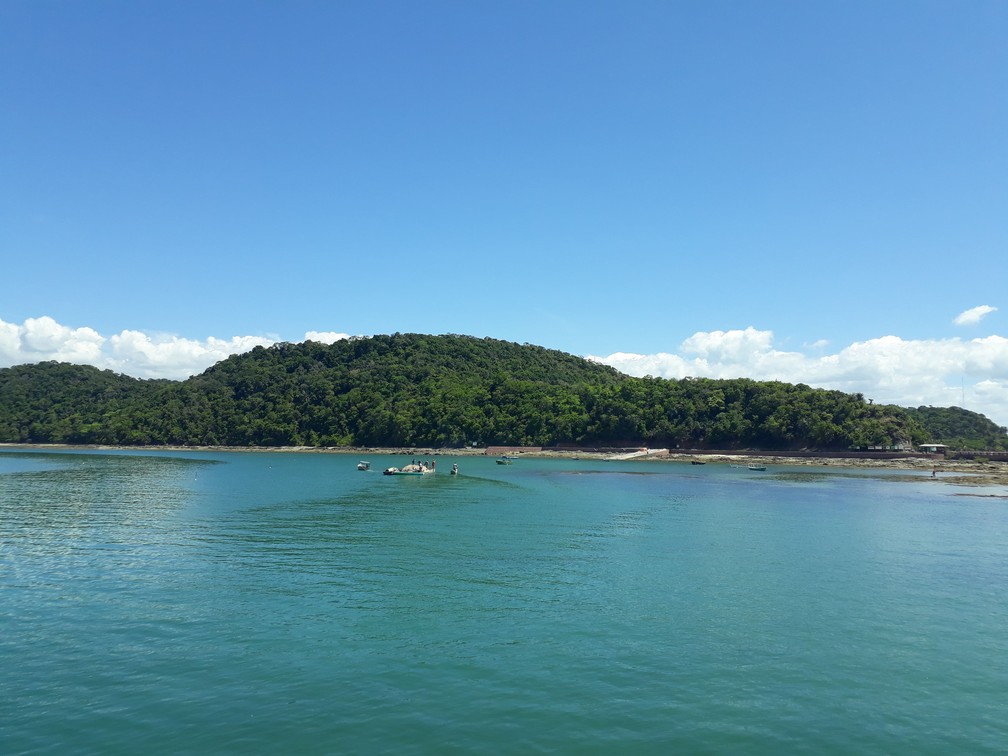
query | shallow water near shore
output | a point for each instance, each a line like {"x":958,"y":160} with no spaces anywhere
{"x":261,"y":603}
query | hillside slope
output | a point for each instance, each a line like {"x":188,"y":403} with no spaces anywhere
{"x":960,"y":428}
{"x":443,"y":391}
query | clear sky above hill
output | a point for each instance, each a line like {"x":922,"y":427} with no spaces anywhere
{"x":811,"y":192}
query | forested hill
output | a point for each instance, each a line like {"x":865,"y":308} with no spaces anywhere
{"x":960,"y":428}
{"x":440,"y":391}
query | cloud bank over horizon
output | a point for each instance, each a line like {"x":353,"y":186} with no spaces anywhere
{"x":130,"y":352}
{"x":891,"y":370}
{"x":888,"y":369}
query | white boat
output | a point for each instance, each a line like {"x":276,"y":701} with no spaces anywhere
{"x":363,"y":466}
{"x":414,"y":468}
{"x":454,"y":470}
{"x":756,"y":468}
{"x":505,"y":460}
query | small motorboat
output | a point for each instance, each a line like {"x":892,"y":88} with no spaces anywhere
{"x":414,"y":468}
{"x":363,"y":466}
{"x":454,"y":470}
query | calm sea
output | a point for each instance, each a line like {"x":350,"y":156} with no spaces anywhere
{"x":287,"y":603}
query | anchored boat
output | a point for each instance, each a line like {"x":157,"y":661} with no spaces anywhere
{"x":414,"y":468}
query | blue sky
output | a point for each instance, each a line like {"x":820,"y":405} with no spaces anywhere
{"x":805,"y":191}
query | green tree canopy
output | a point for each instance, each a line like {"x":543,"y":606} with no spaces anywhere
{"x":445,"y":391}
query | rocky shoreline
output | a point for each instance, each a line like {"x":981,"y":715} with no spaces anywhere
{"x":959,"y":472}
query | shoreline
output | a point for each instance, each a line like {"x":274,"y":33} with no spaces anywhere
{"x":963,"y":472}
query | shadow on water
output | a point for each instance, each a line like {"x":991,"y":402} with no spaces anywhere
{"x":315,"y":533}
{"x":819,"y":476}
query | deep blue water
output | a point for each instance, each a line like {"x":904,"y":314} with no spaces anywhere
{"x":266,"y":603}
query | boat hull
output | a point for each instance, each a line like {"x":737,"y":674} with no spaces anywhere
{"x":416,"y":473}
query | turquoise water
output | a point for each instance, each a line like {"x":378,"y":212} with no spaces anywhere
{"x":266,"y":603}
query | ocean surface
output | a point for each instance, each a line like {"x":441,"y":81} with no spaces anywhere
{"x":197,"y":602}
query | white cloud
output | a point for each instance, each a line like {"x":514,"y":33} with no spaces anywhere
{"x":325,"y":337}
{"x":728,"y":345}
{"x":974,"y":315}
{"x":44,"y":336}
{"x":131,"y":352}
{"x":10,"y":344}
{"x":891,"y":370}
{"x":136,"y":353}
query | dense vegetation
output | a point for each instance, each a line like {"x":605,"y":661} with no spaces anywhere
{"x":442,"y":391}
{"x":960,"y":428}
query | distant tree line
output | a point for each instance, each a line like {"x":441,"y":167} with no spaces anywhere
{"x":408,"y":390}
{"x":960,"y":428}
